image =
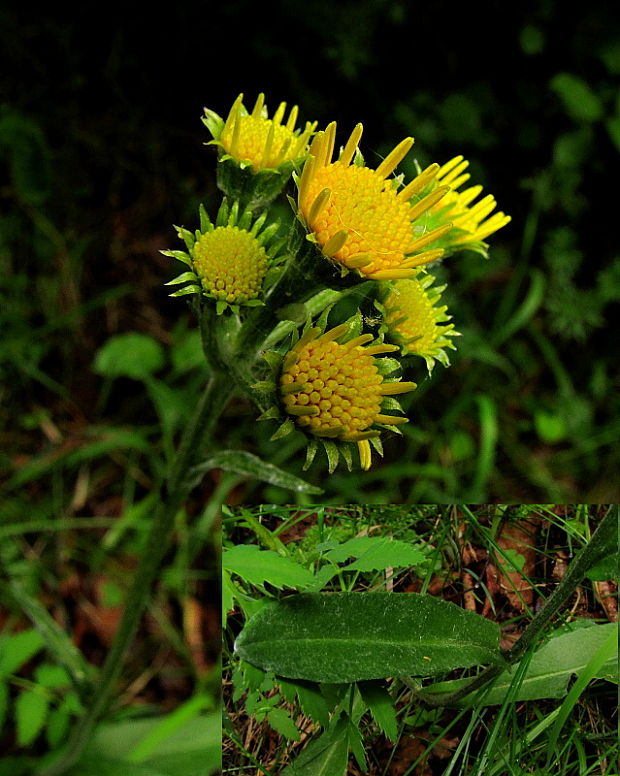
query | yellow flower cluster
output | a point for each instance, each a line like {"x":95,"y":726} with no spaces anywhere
{"x":335,"y":389}
{"x":331,"y":384}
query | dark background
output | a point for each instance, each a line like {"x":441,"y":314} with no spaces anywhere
{"x":101,"y":151}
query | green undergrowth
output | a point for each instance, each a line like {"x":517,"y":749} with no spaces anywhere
{"x":320,"y":679}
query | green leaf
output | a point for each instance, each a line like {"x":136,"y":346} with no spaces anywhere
{"x":381,"y":706}
{"x":310,"y":698}
{"x":169,"y":726}
{"x":283,"y":724}
{"x":185,"y":277}
{"x":23,"y":144}
{"x":31,"y":709}
{"x":348,"y":637}
{"x":551,"y":667}
{"x":4,"y":703}
{"x":250,"y":465}
{"x":53,"y":636}
{"x":605,"y":651}
{"x":193,"y":747}
{"x":57,"y":727}
{"x":580,"y":102}
{"x":129,"y":355}
{"x":606,"y":568}
{"x":18,"y":648}
{"x":357,"y":746}
{"x":258,"y":566}
{"x":375,"y":553}
{"x":51,"y":676}
{"x":327,"y":755}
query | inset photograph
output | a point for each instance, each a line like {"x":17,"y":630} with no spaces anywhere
{"x":420,"y":640}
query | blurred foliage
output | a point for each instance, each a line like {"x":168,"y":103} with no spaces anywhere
{"x":101,"y":149}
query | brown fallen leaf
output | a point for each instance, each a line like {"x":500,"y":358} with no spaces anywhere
{"x":510,"y":574}
{"x":605,"y":593}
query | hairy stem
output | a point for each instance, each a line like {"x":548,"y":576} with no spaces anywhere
{"x":193,"y":443}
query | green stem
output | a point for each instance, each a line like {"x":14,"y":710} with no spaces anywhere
{"x":598,"y":546}
{"x":193,"y":443}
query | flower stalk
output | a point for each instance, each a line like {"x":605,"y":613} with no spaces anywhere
{"x":192,"y":449}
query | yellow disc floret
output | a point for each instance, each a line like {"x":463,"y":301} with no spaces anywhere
{"x":358,"y":218}
{"x":415,"y":322}
{"x":230,"y":263}
{"x":335,"y":390}
{"x":263,"y":142}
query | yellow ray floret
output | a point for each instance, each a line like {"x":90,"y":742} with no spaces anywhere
{"x":335,"y":390}
{"x":265,"y":143}
{"x":476,"y":220}
{"x":357,"y":217}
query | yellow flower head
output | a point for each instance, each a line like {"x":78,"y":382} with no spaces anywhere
{"x":415,"y":322}
{"x":228,"y":262}
{"x":474,"y":221}
{"x":358,"y":218}
{"x":256,"y":141}
{"x":335,"y":390}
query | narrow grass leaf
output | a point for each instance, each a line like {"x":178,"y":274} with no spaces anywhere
{"x":168,"y":726}
{"x":240,"y":462}
{"x":551,"y":667}
{"x":49,"y":633}
{"x":259,"y":566}
{"x":602,"y":655}
{"x":348,"y":637}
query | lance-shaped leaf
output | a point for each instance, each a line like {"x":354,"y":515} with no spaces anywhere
{"x":348,"y":637}
{"x":551,"y":668}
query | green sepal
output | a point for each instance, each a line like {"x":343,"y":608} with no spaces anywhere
{"x":272,"y":413}
{"x":310,"y":453}
{"x":214,"y":123}
{"x":264,"y":386}
{"x":254,"y":303}
{"x":332,"y":454}
{"x":355,"y":324}
{"x":220,"y":306}
{"x":183,"y":278}
{"x":286,"y":428}
{"x":222,"y":214}
{"x":322,"y":319}
{"x":345,"y":451}
{"x":274,"y":360}
{"x":390,"y":403}
{"x":187,"y":290}
{"x":180,"y":255}
{"x":187,"y":237}
{"x":377,"y":444}
{"x":387,"y":365}
{"x":205,"y":221}
{"x":395,"y":429}
{"x":255,"y":190}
